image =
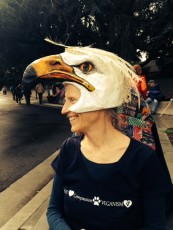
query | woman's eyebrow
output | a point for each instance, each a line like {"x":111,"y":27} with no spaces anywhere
{"x":71,"y":98}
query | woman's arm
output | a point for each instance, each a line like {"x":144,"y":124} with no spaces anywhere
{"x":154,"y":214}
{"x":55,"y":213}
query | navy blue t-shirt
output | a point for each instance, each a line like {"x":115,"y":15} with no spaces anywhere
{"x":109,"y":196}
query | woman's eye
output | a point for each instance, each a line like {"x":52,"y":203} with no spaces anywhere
{"x":72,"y":100}
{"x":86,"y":67}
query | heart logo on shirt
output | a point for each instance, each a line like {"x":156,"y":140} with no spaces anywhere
{"x":71,"y":193}
{"x":127,"y":203}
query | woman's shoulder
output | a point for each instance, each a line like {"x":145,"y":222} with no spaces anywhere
{"x":140,"y":151}
{"x":140,"y":158}
{"x":140,"y":145}
{"x":70,"y":146}
{"x":68,"y":153}
{"x":71,"y":142}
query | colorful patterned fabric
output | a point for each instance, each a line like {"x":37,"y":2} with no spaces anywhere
{"x":136,"y":122}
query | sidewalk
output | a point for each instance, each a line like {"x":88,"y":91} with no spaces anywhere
{"x":164,"y":122}
{"x":24,"y":203}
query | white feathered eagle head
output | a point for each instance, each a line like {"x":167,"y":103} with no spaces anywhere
{"x":103,"y":78}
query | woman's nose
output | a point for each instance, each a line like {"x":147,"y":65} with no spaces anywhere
{"x":65,"y":109}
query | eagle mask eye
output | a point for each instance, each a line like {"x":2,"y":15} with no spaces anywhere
{"x":86,"y":67}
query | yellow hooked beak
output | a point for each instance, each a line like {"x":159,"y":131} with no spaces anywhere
{"x":53,"y":67}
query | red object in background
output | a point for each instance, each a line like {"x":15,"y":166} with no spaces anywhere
{"x":137,"y":133}
{"x":142,"y":86}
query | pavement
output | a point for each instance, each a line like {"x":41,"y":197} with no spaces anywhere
{"x":24,"y":203}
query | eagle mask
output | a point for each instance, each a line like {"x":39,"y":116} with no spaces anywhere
{"x":103,"y":78}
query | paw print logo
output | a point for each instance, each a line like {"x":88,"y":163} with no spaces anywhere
{"x":96,"y":201}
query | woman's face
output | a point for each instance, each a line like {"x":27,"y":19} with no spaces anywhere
{"x":80,"y":122}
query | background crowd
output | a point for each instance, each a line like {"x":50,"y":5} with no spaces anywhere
{"x":55,"y":93}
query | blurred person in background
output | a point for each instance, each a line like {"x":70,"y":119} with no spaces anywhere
{"x":40,"y":91}
{"x":154,"y":95}
{"x":142,"y":84}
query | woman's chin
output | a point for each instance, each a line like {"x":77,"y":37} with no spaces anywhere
{"x":74,"y":130}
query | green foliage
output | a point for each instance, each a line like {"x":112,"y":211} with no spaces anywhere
{"x":169,"y":131}
{"x":125,"y":27}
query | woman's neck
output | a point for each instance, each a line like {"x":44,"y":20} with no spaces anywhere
{"x":104,"y":147}
{"x":100,"y":136}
